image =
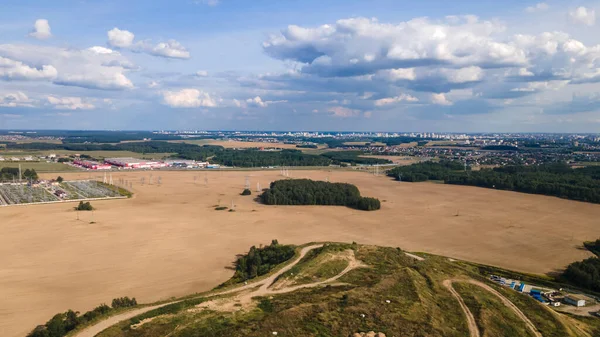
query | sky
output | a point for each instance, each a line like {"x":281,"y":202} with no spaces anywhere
{"x":378,"y":65}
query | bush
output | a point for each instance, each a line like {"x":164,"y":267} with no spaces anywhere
{"x":84,"y":206}
{"x":220,"y":208}
{"x":246,"y":192}
{"x":59,"y":179}
{"x":124,"y":302}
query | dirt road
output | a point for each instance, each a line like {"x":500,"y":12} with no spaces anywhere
{"x":100,"y":326}
{"x":471,"y":320}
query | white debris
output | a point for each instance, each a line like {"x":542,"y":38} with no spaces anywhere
{"x":388,"y":301}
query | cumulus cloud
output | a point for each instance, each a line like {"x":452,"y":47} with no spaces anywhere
{"x":41,"y":30}
{"x":120,"y":38}
{"x":539,"y":7}
{"x":125,"y":39}
{"x":583,"y":15}
{"x":396,"y":99}
{"x":202,"y":73}
{"x":256,"y":102}
{"x":69,"y":103}
{"x":360,"y":46}
{"x":16,"y":99}
{"x":16,"y":70}
{"x":440,"y":99}
{"x":188,"y":98}
{"x":86,"y":68}
{"x":343,"y":112}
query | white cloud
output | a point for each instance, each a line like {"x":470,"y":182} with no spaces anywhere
{"x":256,"y":102}
{"x":539,"y":7}
{"x":72,"y":67}
{"x":343,"y":112}
{"x":440,"y":99}
{"x":399,"y":74}
{"x":120,"y":38}
{"x":125,"y":39}
{"x":101,"y":50}
{"x":16,"y":99}
{"x":188,"y":98}
{"x":69,"y":103}
{"x":397,"y":99}
{"x":153,"y":84}
{"x":16,"y":70}
{"x":583,"y":15}
{"x":41,"y":30}
{"x":202,"y":73}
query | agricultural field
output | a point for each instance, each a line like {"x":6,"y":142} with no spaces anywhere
{"x":168,"y":240}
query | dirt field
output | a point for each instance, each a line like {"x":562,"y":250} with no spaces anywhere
{"x":230,"y":144}
{"x":399,"y":160}
{"x":169,"y":241}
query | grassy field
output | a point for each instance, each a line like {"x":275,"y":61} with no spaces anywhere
{"x":394,"y":294}
{"x":40,"y":167}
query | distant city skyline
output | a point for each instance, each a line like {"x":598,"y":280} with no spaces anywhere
{"x":383,"y":66}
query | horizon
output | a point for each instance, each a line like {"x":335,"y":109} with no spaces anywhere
{"x":465,"y":67}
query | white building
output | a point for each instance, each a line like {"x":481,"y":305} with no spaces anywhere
{"x":575,"y":300}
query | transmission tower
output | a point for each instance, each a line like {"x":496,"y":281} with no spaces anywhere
{"x":104,"y":181}
{"x":159,"y":180}
{"x":257,"y":187}
{"x":247,"y":183}
{"x":20,"y":175}
{"x":150,"y":180}
{"x":111,"y":180}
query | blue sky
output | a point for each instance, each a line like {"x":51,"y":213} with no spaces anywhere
{"x":382,"y":65}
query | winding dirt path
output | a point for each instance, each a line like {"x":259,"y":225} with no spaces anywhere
{"x":265,"y":283}
{"x":474,"y":331}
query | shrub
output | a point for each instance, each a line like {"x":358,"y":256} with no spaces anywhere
{"x":84,"y":206}
{"x":246,"y":192}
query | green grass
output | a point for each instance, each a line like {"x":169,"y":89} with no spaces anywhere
{"x":492,"y":316}
{"x":39,"y":167}
{"x":419,"y":304}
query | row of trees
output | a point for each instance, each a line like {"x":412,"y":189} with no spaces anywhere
{"x":260,"y":261}
{"x":11,"y":173}
{"x":584,"y":274}
{"x":353,"y":157}
{"x":61,"y":324}
{"x":558,"y":179}
{"x":310,"y":192}
{"x":256,"y":158}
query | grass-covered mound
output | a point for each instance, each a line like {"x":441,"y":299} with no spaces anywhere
{"x":395,"y":295}
{"x":311,"y":192}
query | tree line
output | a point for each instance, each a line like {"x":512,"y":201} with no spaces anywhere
{"x":12,"y":173}
{"x":353,"y":157}
{"x":310,"y":192}
{"x":260,"y":261}
{"x":556,"y":179}
{"x":61,"y":324}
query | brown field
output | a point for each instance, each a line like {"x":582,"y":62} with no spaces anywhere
{"x":169,"y":241}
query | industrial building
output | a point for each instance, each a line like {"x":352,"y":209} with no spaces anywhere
{"x":91,"y":165}
{"x":134,"y":163}
{"x":183,"y":163}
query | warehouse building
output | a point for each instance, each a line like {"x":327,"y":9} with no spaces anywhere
{"x":134,"y":163}
{"x":575,"y":300}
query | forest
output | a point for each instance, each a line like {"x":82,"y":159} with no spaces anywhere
{"x":259,"y":261}
{"x":256,"y":158}
{"x":311,"y":192}
{"x":559,"y":180}
{"x":585,"y":274}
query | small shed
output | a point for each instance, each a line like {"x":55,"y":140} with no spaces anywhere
{"x":575,"y":300}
